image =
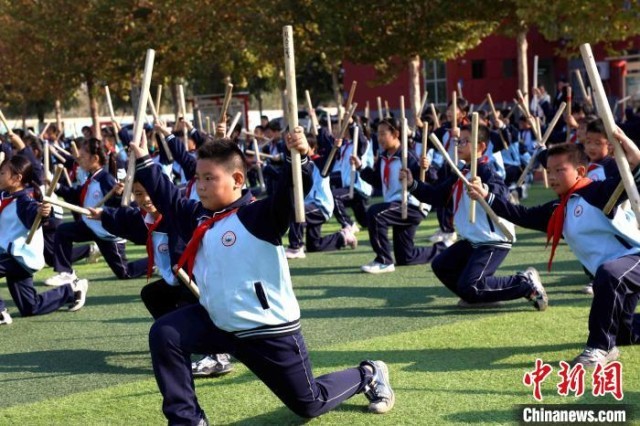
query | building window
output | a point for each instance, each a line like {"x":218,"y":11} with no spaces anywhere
{"x":477,"y":69}
{"x":435,"y":80}
{"x":508,"y":68}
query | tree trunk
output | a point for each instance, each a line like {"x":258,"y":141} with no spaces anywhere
{"x":523,"y":68}
{"x":176,"y":102}
{"x":414,"y":88}
{"x":335,"y":85}
{"x":93,"y":108}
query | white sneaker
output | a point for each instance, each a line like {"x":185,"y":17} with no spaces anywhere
{"x":80,"y":288}
{"x":448,"y":238}
{"x":437,"y":237}
{"x":5,"y":318}
{"x":588,"y":289}
{"x":350,"y":239}
{"x":592,"y":356}
{"x":292,"y":253}
{"x":94,"y":254}
{"x":61,"y":279}
{"x":377,"y":268}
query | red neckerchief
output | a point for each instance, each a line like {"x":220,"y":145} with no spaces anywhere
{"x":592,"y":167}
{"x":456,"y":191}
{"x":387,"y":169}
{"x":556,"y":223}
{"x":150,"y":252}
{"x":190,"y":187}
{"x":189,"y":254}
{"x":5,"y":202}
{"x":85,"y":186}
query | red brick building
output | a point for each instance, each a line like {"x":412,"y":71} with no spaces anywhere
{"x":491,"y":68}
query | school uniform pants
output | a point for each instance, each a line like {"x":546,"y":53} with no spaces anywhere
{"x":616,"y":290}
{"x":468,"y":272}
{"x":161,"y":298}
{"x":384,"y":215}
{"x":512,"y":174}
{"x":271,"y":174}
{"x":49,"y":232}
{"x":444,"y":214}
{"x":28,"y":301}
{"x":358,"y":204}
{"x":112,"y":252}
{"x":282,"y":363}
{"x":314,"y":219}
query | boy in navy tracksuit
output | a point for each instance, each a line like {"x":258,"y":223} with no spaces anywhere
{"x":607,"y":245}
{"x":318,"y":206}
{"x":247,"y":309}
{"x":467,"y":267}
{"x":19,"y":260}
{"x":381,"y":216}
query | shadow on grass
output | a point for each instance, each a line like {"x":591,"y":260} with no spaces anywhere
{"x":395,"y":296}
{"x":67,"y":362}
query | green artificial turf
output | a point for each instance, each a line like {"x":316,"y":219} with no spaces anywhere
{"x":447,"y":365}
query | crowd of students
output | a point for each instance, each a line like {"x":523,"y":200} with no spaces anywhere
{"x":200,"y":204}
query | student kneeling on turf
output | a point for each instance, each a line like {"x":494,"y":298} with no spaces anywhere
{"x":246,"y":308}
{"x":607,"y":245}
{"x":467,"y":267}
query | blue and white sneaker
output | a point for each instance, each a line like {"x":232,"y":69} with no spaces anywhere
{"x":377,"y":268}
{"x":378,"y":391}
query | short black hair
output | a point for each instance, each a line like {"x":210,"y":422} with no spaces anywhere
{"x":574,"y":153}
{"x":483,"y":132}
{"x":224,"y":152}
{"x":596,"y":126}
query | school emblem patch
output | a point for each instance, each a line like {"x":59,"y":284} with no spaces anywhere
{"x":97,"y":194}
{"x":163,"y":248}
{"x":577,"y":211}
{"x":228,"y":239}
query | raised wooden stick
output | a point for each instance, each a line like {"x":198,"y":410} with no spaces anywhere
{"x":386,"y":107}
{"x":434,"y":114}
{"x":5,"y":124}
{"x":483,"y":203}
{"x":74,"y":150}
{"x":65,"y":205}
{"x":184,"y":277}
{"x":208,"y":126}
{"x":156,"y":118}
{"x":138,"y":126}
{"x":158,"y":98}
{"x":535,"y":82}
{"x":341,"y":135}
{"x":352,"y":93}
{"x":106,"y":197}
{"x":454,"y":124}
{"x":54,"y":151}
{"x":225,"y":103}
{"x":609,"y":124}
{"x":49,"y":192}
{"x":492,"y":107}
{"x":404,"y":206}
{"x":112,"y":114}
{"x":474,"y":161}
{"x":312,"y":114}
{"x":569,"y":101}
{"x":44,"y":130}
{"x":234,"y":123}
{"x":617,"y":193}
{"x":46,"y":160}
{"x":367,"y":113}
{"x":423,"y":153}
{"x":583,"y":89}
{"x":292,"y":108}
{"x":459,"y":86}
{"x":183,"y":111}
{"x":423,"y":104}
{"x":356,"y":131}
{"x":258,"y":163}
{"x":379,"y":101}
{"x":261,"y":154}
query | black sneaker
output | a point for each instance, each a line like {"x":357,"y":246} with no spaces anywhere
{"x":378,"y":391}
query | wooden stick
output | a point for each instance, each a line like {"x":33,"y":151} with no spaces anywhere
{"x":46,"y":160}
{"x":54,"y":151}
{"x":106,"y":197}
{"x":380,"y":116}
{"x":352,"y":93}
{"x":183,"y":111}
{"x":234,"y":123}
{"x":65,"y":173}
{"x":404,"y":206}
{"x":356,"y":131}
{"x":65,"y":205}
{"x":107,"y":94}
{"x":1,"y":157}
{"x":292,"y":108}
{"x":184,"y":277}
{"x":583,"y":89}
{"x":459,"y":86}
{"x":258,"y":163}
{"x":158,"y":98}
{"x":386,"y":107}
{"x":425,"y":134}
{"x":261,"y":154}
{"x":483,"y":203}
{"x":138,"y":125}
{"x":367,"y":113}
{"x":553,"y":123}
{"x":474,"y":161}
{"x":343,"y":131}
{"x":609,"y":124}
{"x":423,"y":103}
{"x":482,"y":104}
{"x":434,"y":113}
{"x":569,"y":102}
{"x":62,"y":150}
{"x":5,"y":124}
{"x":225,"y":103}
{"x":74,"y":150}
{"x":454,"y":124}
{"x":156,"y":118}
{"x":492,"y":106}
{"x":312,"y":114}
{"x":617,"y":193}
{"x":535,"y":82}
{"x":49,"y":192}
{"x":208,"y":126}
